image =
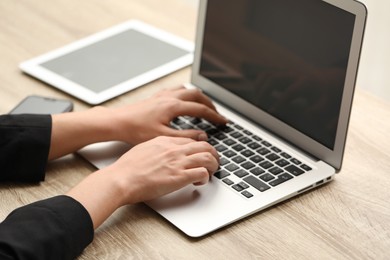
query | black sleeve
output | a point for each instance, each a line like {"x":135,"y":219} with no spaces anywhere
{"x":24,"y":147}
{"x":56,"y":228}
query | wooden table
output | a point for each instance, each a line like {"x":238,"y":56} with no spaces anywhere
{"x":346,"y":219}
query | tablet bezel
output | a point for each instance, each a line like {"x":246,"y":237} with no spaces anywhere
{"x":33,"y":66}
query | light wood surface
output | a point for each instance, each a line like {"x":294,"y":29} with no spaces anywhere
{"x":346,"y":219}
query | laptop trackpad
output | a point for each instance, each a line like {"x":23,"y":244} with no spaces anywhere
{"x":198,"y":209}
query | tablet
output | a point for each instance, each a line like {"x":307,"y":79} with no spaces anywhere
{"x":112,"y":62}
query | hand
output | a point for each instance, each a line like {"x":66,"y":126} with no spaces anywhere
{"x":163,"y":165}
{"x":147,"y":119}
{"x":147,"y":171}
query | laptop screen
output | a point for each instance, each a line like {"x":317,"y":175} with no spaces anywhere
{"x":288,"y":58}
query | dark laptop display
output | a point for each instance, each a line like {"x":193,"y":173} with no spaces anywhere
{"x":288,"y":58}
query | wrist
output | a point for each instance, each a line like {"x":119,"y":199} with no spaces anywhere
{"x":121,"y":185}
{"x":101,"y":124}
{"x":100,"y":194}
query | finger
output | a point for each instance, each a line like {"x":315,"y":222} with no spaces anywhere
{"x":175,"y":140}
{"x":188,"y":108}
{"x":197,"y":135}
{"x":168,"y":91}
{"x":205,"y":159}
{"x":197,"y":176}
{"x":194,"y":95}
{"x":200,"y":147}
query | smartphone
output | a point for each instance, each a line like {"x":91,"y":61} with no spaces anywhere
{"x":42,"y":105}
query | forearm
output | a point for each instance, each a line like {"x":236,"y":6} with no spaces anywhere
{"x":72,"y":131}
{"x":101,"y":193}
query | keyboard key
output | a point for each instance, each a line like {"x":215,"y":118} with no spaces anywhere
{"x":178,"y":121}
{"x":267,"y":177}
{"x":247,"y":153}
{"x":226,"y":129}
{"x":221,"y":174}
{"x":195,"y":120}
{"x":257,"y":171}
{"x":237,"y":187}
{"x":228,"y":181}
{"x":305,"y":167}
{"x":229,"y":153}
{"x":256,"y":183}
{"x":211,"y":132}
{"x":243,"y":185}
{"x":256,"y":159}
{"x":254,"y":146}
{"x":244,"y":140}
{"x":255,"y":137}
{"x":247,"y":165}
{"x":263,"y":151}
{"x":204,"y":126}
{"x":229,"y":142}
{"x":282,"y":178}
{"x":285,"y":155}
{"x":231,"y":167}
{"x":265,"y":143}
{"x":272,"y":157}
{"x":294,"y":170}
{"x":186,"y":126}
{"x":238,"y":127}
{"x":220,"y":136}
{"x":276,"y":149}
{"x":295,"y":161}
{"x":247,"y":194}
{"x":220,"y":148}
{"x":241,"y":173}
{"x":266,"y":165}
{"x":238,"y":159}
{"x":238,"y":147}
{"x":223,"y":161}
{"x":247,"y":132}
{"x":282,"y":162}
{"x":212,"y":141}
{"x":285,"y":176}
{"x":275,"y":170}
{"x":236,"y":135}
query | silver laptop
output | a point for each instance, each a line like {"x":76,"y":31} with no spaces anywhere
{"x":284,"y":73}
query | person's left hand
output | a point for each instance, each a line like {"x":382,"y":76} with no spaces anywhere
{"x":150,"y":118}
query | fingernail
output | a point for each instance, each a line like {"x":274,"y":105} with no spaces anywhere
{"x":202,"y":137}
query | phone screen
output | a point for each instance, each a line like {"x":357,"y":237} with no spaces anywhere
{"x":42,"y":105}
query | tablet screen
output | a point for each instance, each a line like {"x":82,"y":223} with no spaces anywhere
{"x":111,"y":62}
{"x":114,"y":60}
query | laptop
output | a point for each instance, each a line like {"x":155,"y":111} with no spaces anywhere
{"x":284,"y":73}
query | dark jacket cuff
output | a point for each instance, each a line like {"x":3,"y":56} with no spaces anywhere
{"x":24,"y":147}
{"x":55,"y":228}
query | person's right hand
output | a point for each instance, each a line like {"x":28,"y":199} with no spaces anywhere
{"x":163,"y":165}
{"x":148,"y":171}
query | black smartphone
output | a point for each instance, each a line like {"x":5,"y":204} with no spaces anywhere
{"x":42,"y":105}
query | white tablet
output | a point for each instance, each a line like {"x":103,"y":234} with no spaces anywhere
{"x":112,"y":62}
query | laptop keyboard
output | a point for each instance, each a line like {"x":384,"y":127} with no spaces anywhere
{"x":256,"y":162}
